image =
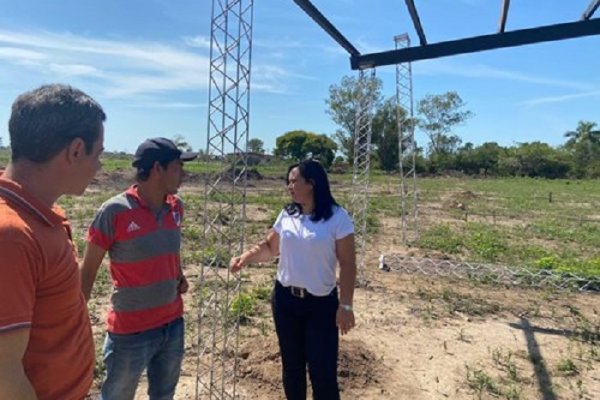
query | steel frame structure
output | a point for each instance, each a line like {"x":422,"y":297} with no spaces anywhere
{"x":406,"y":54}
{"x":224,"y":197}
{"x":362,"y":164}
{"x":586,"y":26}
{"x":407,"y":148}
{"x":228,"y":126}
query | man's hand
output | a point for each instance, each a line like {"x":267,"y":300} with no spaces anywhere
{"x":182,"y":286}
{"x":92,"y":258}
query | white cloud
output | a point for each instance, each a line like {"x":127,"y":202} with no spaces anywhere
{"x":283,"y":44}
{"x":75,"y":69}
{"x":279,"y":44}
{"x":168,"y":105}
{"x":436,"y":67}
{"x":365,"y":47}
{"x":201,"y":42}
{"x":19,"y":55}
{"x":560,"y":99}
{"x":274,"y":79}
{"x":124,"y":69}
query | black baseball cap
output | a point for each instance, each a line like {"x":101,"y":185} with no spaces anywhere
{"x":161,"y":150}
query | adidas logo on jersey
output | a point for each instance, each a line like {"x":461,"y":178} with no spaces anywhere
{"x":133,"y":227}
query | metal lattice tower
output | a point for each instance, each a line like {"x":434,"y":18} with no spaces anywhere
{"x":362,"y":161}
{"x":406,"y":145}
{"x":224,"y":197}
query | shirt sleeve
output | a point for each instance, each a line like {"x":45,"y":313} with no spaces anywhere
{"x":277,"y":225}
{"x":102,"y":230}
{"x":18,"y":272}
{"x":344,"y":226}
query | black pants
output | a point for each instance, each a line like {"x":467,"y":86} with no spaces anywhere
{"x":307,"y":334}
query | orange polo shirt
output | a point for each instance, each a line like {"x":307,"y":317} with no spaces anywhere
{"x":40,"y":289}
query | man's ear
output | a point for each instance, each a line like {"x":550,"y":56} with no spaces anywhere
{"x":76,"y":150}
{"x":156,"y":168}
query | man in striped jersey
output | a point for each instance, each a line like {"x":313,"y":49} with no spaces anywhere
{"x":140,"y":229}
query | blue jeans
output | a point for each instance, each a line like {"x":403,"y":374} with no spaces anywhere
{"x":160,"y":350}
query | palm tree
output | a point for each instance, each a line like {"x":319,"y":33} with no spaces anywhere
{"x":181,"y":143}
{"x":584,"y":144}
{"x":584,"y":133}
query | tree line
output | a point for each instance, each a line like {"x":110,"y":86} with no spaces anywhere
{"x":437,"y":116}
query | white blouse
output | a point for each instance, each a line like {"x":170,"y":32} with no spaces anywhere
{"x":307,"y":256}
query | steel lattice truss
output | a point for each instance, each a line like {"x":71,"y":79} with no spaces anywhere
{"x":586,"y":26}
{"x":362,"y":160}
{"x":489,"y":273}
{"x":225,"y":191}
{"x":407,"y":150}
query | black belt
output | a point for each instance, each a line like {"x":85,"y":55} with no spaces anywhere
{"x":301,"y":292}
{"x":298,"y":291}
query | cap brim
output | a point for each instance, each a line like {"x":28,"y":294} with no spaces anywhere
{"x":188,"y":156}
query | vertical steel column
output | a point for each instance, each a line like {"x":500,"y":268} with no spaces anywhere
{"x":406,"y":144}
{"x":362,"y":163}
{"x":224,"y":197}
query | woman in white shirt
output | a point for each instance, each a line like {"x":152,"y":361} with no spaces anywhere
{"x":311,"y":235}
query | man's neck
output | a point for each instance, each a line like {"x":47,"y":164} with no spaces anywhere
{"x":151,"y":195}
{"x":39,"y":180}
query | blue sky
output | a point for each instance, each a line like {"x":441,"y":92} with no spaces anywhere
{"x":146,"y":62}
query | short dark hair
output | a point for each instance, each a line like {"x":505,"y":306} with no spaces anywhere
{"x":45,"y":120}
{"x":312,"y":171}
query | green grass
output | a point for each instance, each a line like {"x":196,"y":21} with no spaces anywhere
{"x":567,"y":367}
{"x":479,"y":381}
{"x":534,"y":223}
{"x":243,"y":306}
{"x":587,"y":268}
{"x":441,"y":237}
{"x":4,"y":157}
{"x":247,"y":304}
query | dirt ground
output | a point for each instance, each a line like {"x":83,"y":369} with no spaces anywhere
{"x":429,"y":338}
{"x":411,"y":342}
{"x":424,"y":338}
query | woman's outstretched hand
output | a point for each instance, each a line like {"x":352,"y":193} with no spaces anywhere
{"x":236,"y":264}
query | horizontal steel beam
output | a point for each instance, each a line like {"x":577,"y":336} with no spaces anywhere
{"x":327,"y":26}
{"x":479,"y":43}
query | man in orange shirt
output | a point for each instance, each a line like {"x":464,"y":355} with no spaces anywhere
{"x":46,"y":345}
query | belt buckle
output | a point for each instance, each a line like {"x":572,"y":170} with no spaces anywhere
{"x":297,"y":291}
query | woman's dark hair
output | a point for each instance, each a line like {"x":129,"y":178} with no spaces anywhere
{"x":313,"y":172}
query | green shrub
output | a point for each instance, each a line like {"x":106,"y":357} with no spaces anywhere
{"x":244,"y":306}
{"x":441,"y":237}
{"x":485,"y":241}
{"x":216,"y":256}
{"x":585,"y":268}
